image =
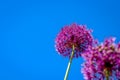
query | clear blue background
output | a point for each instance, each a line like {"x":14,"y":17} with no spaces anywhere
{"x":28,"y":30}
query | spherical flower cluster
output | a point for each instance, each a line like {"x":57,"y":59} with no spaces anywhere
{"x":102,"y":61}
{"x":76,"y":35}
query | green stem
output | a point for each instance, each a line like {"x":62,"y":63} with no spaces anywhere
{"x":107,"y":77}
{"x":107,"y":74}
{"x":69,"y":64}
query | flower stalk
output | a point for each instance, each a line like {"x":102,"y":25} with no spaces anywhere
{"x":107,"y":74}
{"x":69,"y":64}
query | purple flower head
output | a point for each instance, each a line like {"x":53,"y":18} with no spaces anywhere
{"x":102,"y":61}
{"x":76,"y":35}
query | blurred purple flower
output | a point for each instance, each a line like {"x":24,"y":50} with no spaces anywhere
{"x":102,"y":62}
{"x":76,"y":35}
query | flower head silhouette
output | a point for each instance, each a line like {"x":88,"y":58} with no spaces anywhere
{"x":76,"y":35}
{"x":102,"y":62}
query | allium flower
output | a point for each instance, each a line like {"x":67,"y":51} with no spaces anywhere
{"x":71,"y":41}
{"x":76,"y":35}
{"x":102,"y":62}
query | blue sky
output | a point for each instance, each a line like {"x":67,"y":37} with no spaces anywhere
{"x":28,"y":29}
